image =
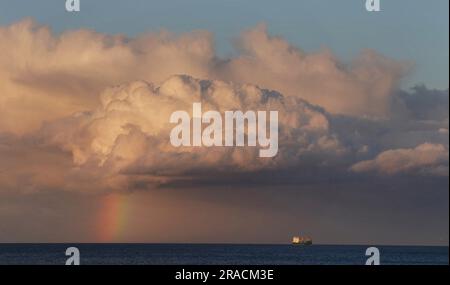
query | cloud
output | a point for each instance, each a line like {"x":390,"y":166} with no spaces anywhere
{"x":85,"y":115}
{"x":360,"y":88}
{"x":422,"y":104}
{"x":128,"y":133}
{"x":92,"y":110}
{"x":45,"y":76}
{"x":424,"y":159}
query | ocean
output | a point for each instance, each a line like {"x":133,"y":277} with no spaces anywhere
{"x":219,"y":254}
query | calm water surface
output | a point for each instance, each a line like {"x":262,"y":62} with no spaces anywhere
{"x":187,"y":254}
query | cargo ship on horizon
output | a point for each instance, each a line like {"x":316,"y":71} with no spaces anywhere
{"x":299,"y":240}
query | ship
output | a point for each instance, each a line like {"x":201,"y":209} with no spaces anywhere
{"x":299,"y":240}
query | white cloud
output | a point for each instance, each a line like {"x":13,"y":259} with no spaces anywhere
{"x":361,"y":88}
{"x":45,"y":76}
{"x":426,"y":159}
{"x":129,"y":131}
{"x":332,"y":113}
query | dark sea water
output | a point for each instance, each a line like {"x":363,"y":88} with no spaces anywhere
{"x":216,"y":254}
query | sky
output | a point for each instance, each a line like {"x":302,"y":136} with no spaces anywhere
{"x":85,"y":102}
{"x":403,"y":30}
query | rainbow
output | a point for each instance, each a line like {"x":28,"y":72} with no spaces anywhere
{"x":111,"y":218}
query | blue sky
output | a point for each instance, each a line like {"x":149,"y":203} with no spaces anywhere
{"x":411,"y":30}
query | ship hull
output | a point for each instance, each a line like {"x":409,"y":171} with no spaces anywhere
{"x":302,"y":243}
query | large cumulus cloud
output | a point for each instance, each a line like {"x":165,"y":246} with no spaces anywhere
{"x":362,"y":87}
{"x":93,"y":109}
{"x":44,"y":76}
{"x":128,"y":134}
